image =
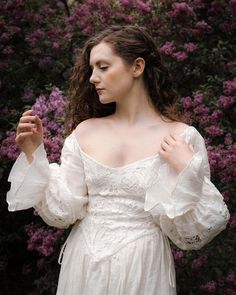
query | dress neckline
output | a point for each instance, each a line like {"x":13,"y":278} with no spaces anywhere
{"x":155,"y":156}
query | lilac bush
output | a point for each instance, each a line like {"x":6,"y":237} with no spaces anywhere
{"x":42,"y":240}
{"x":196,"y":38}
{"x":33,"y":40}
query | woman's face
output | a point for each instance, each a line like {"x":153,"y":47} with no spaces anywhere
{"x":111,"y":76}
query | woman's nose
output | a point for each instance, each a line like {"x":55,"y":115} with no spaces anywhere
{"x":94,"y":78}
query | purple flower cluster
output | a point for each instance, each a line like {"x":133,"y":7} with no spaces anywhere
{"x":209,"y":287}
{"x":8,"y":148}
{"x":87,"y":15}
{"x":198,"y":98}
{"x":180,"y":55}
{"x":227,"y":284}
{"x":42,"y":239}
{"x":199,"y":262}
{"x":231,"y":278}
{"x":43,"y":40}
{"x":53,"y":147}
{"x":181,"y":11}
{"x":56,"y":103}
{"x":190,"y":47}
{"x":40,"y":106}
{"x":209,"y":119}
{"x":226,"y":101}
{"x":201,"y":27}
{"x":93,"y":15}
{"x":169,"y":49}
{"x":187,"y":103}
{"x":214,"y":130}
{"x":51,"y":110}
{"x":222,"y":157}
{"x":144,"y":6}
{"x":45,"y":62}
{"x":178,"y":256}
{"x":53,"y":105}
{"x":230,"y":87}
{"x":222,"y":160}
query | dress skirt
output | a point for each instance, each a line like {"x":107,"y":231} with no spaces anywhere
{"x":142,"y":267}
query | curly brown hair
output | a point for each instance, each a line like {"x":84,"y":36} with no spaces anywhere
{"x":129,"y":42}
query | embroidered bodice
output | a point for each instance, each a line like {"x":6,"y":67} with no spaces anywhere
{"x":115,"y":214}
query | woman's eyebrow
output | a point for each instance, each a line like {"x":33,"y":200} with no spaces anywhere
{"x":98,"y":62}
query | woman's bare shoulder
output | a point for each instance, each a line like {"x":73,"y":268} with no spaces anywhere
{"x":88,"y":126}
{"x":179,"y":127}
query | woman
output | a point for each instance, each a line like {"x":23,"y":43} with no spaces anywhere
{"x":131,"y":174}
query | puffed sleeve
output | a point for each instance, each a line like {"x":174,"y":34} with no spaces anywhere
{"x":187,"y":206}
{"x":57,"y":192}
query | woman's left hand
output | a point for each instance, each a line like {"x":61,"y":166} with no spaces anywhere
{"x":176,"y":151}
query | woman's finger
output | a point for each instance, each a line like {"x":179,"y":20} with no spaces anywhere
{"x":169,"y":140}
{"x":24,"y":134}
{"x":25,"y":125}
{"x":38,"y":123}
{"x":26,"y":119}
{"x":27,"y":113}
{"x":21,"y":136}
{"x":165,"y":145}
{"x":24,"y":129}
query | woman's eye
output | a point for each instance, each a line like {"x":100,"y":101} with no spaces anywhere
{"x":103,"y":68}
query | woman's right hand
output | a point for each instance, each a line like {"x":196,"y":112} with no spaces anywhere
{"x":29,"y":134}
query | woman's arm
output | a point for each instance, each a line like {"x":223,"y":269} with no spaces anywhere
{"x":57,"y":192}
{"x":186,"y":205}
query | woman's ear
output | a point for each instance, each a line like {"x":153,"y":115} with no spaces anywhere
{"x":138,"y":67}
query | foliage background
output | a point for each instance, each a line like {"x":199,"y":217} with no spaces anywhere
{"x":38,"y":42}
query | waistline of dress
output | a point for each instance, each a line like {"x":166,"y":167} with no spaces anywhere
{"x":101,"y":257}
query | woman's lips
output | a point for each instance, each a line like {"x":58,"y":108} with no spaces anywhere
{"x":99,"y":90}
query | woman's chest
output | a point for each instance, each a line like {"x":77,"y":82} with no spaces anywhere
{"x":117,"y":149}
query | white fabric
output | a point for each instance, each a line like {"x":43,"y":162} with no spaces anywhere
{"x":122,"y":216}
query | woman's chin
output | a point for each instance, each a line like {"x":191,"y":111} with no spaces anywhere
{"x":105,"y":101}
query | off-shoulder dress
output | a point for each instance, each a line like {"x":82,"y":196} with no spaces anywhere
{"x":122,"y":217}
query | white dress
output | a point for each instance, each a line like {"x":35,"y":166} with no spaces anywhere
{"x":122,"y":216}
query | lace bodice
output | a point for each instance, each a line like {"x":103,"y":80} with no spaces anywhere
{"x":115,"y":214}
{"x":132,"y":179}
{"x":117,"y":205}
